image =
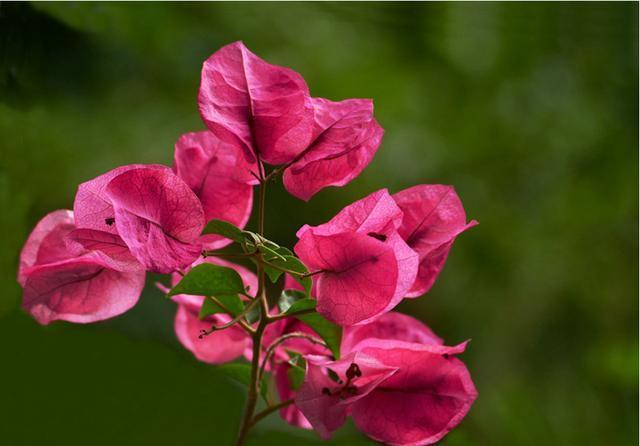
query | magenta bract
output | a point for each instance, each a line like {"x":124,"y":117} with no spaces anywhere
{"x":264,"y":108}
{"x":158,"y":216}
{"x":64,"y":281}
{"x":346,"y":136}
{"x":433,"y":217}
{"x":218,"y":173}
{"x":109,"y":247}
{"x":367,"y":267}
{"x":92,"y":207}
{"x":325,"y":402}
{"x":427,"y":397}
{"x":416,"y":393}
{"x":393,"y":325}
{"x":267,"y":111}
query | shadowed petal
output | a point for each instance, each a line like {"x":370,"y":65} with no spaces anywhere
{"x":345,"y":141}
{"x":47,"y":242}
{"x":291,"y":414}
{"x":80,"y":290}
{"x":395,"y":326}
{"x":433,"y":217}
{"x":216,"y":348}
{"x":220,"y":176}
{"x":110,"y":247}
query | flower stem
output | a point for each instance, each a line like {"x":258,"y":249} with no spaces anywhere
{"x":254,"y":381}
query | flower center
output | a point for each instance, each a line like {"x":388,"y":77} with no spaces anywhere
{"x":346,"y":389}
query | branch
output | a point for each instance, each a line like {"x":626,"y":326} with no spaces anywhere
{"x":269,"y":410}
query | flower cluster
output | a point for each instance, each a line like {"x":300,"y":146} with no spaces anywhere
{"x":329,"y":345}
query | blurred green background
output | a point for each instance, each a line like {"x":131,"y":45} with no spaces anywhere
{"x":530,"y":110}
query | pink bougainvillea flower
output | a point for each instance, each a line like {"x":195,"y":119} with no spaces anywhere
{"x":64,"y":281}
{"x":428,"y":396}
{"x":325,"y":402}
{"x":220,"y":346}
{"x":346,"y":136}
{"x":266,"y":109}
{"x":391,"y":326}
{"x":158,"y":216}
{"x":220,"y":176}
{"x":433,"y":217}
{"x":366,"y":266}
{"x":92,"y":208}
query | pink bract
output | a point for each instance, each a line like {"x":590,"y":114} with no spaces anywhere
{"x":92,"y":207}
{"x":421,"y":391}
{"x":326,"y":403}
{"x":158,"y":216}
{"x":428,"y":396}
{"x":433,"y":217}
{"x":112,"y":250}
{"x":346,"y":136}
{"x":268,"y":112}
{"x":391,"y":326}
{"x":264,"y":108}
{"x":367,"y":267}
{"x":220,"y":346}
{"x":220,"y":176}
{"x":64,"y":281}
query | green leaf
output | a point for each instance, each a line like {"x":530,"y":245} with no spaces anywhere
{"x":270,"y":254}
{"x":292,"y":303}
{"x":283,"y":251}
{"x":225,"y":229}
{"x":294,"y":264}
{"x":253,"y":314}
{"x":288,"y":298}
{"x":301,"y":305}
{"x":231,"y":301}
{"x":209,"y":280}
{"x":328,"y":331}
{"x":241,"y":373}
{"x":296,"y":371}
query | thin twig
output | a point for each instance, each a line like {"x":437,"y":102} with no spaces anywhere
{"x":270,"y":351}
{"x":242,"y":323}
{"x":269,"y":410}
{"x":277,"y":317}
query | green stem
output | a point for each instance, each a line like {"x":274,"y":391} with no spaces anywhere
{"x":254,"y":386}
{"x":269,"y":410}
